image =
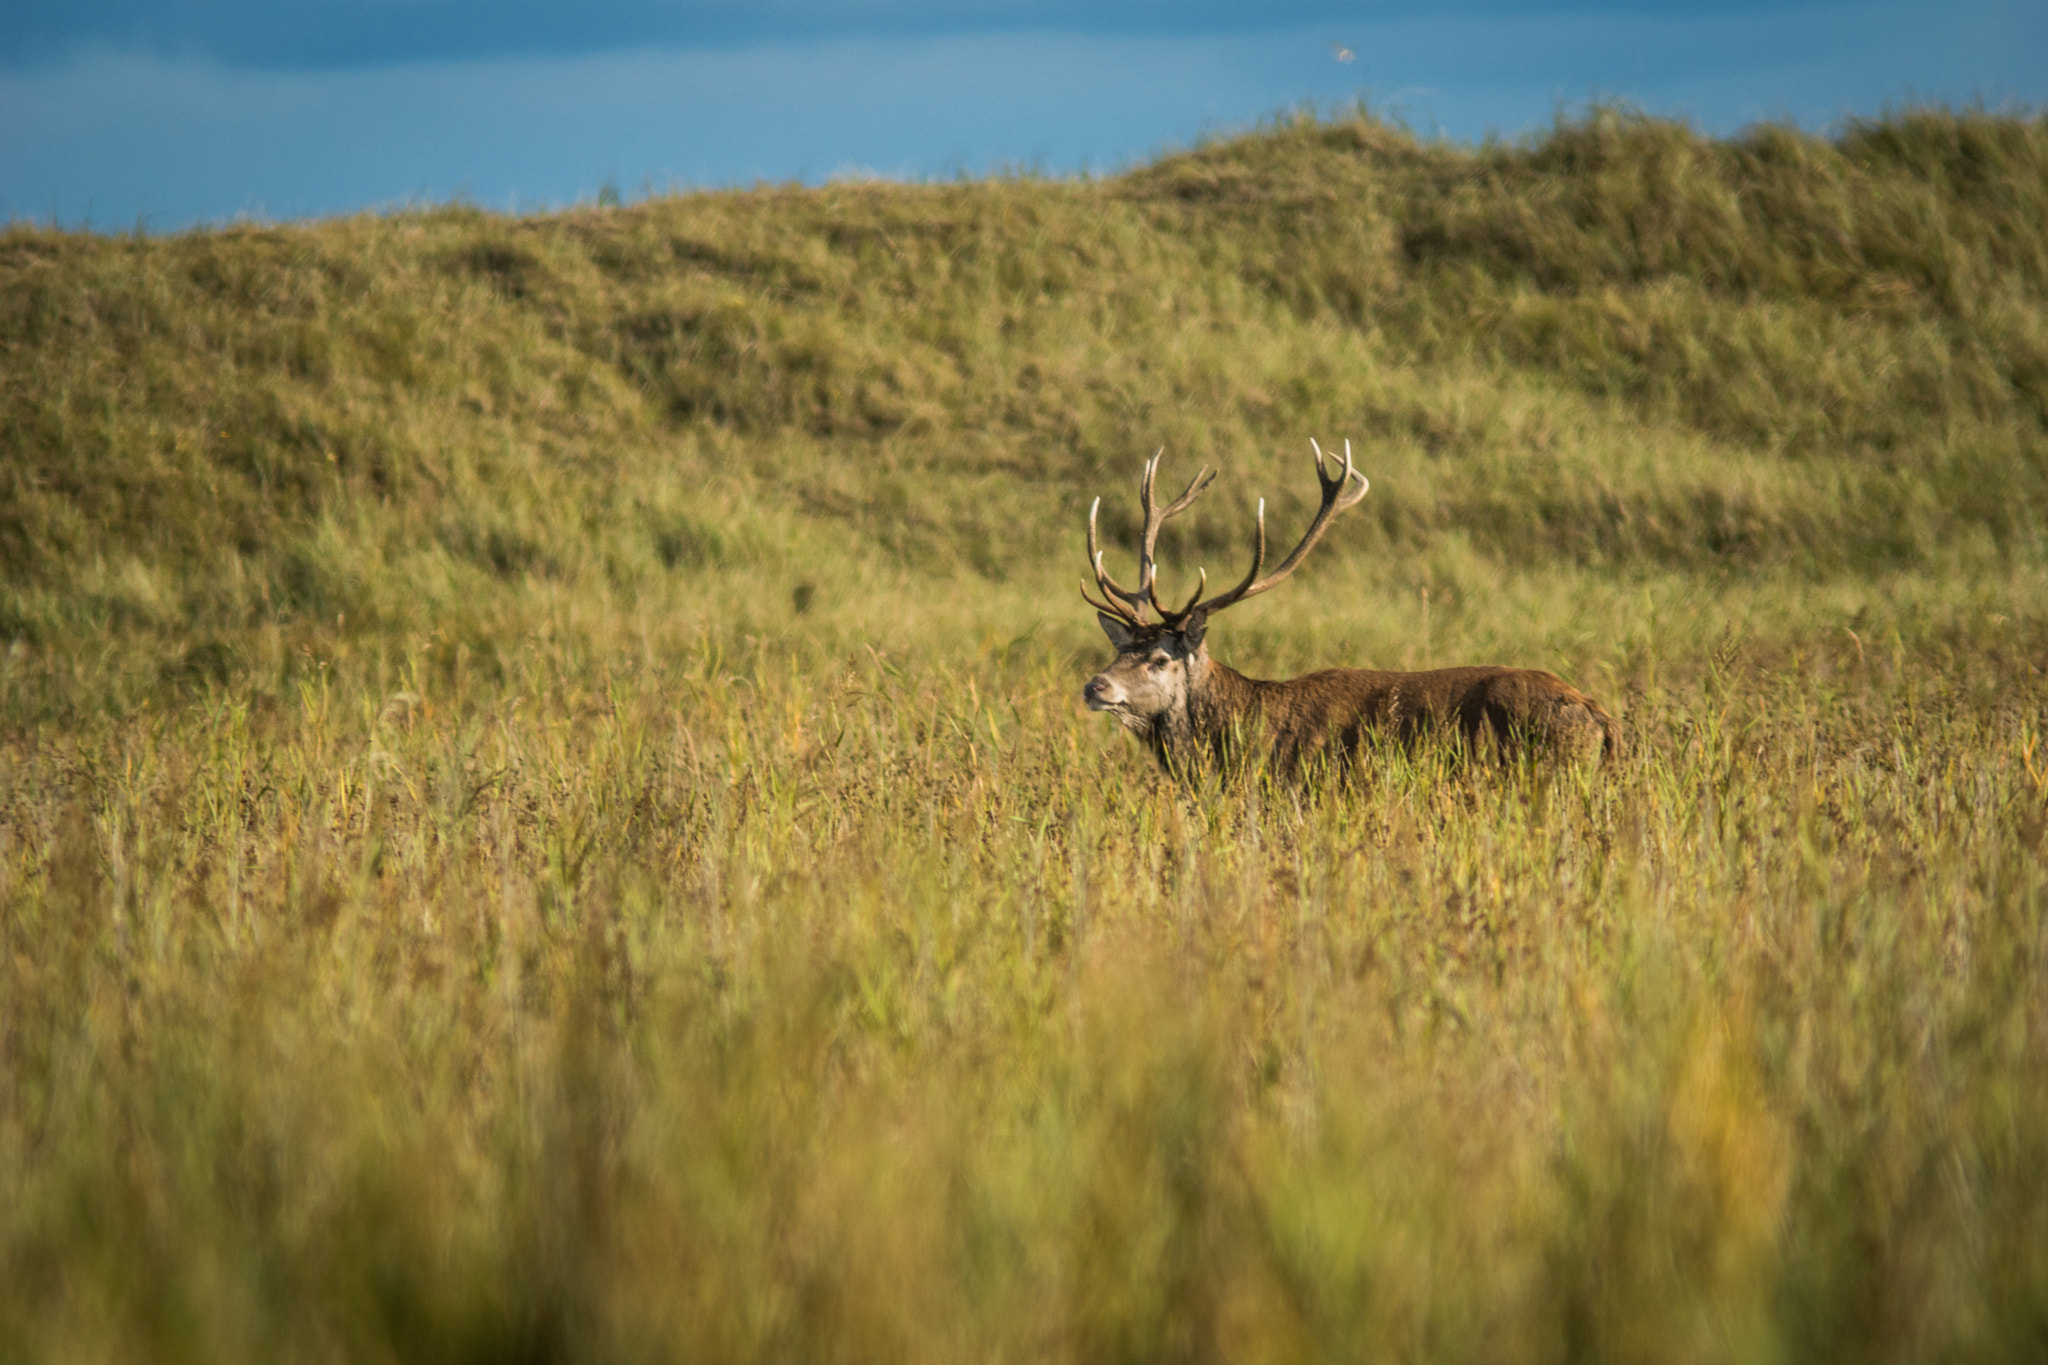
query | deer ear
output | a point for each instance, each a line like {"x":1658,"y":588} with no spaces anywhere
{"x":1191,"y":629}
{"x":1120,"y":633}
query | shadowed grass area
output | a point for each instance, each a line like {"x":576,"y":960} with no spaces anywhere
{"x":547,"y":815}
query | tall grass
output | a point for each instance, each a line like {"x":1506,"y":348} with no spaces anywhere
{"x":547,"y":816}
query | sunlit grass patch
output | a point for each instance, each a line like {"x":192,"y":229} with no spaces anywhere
{"x":547,"y":812}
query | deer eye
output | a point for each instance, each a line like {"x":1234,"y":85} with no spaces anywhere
{"x":1159,"y":660}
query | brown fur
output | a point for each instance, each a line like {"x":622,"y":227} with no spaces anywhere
{"x":1192,"y":712}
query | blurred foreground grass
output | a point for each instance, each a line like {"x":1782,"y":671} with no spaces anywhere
{"x":546,"y":815}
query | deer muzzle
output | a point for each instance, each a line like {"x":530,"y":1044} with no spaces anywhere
{"x":1102,"y":693}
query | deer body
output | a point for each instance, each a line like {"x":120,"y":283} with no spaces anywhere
{"x":1193,"y":712}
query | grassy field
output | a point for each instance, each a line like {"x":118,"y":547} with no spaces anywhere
{"x":547,"y":814}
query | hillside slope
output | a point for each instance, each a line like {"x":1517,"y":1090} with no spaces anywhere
{"x":1624,"y":348}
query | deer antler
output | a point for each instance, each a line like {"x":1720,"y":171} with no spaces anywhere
{"x":1130,"y":603}
{"x":1335,"y":500}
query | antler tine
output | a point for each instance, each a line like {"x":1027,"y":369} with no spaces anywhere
{"x":1122,"y":613}
{"x":1335,"y":500}
{"x":1133,"y":608}
{"x":1115,"y":601}
{"x":1249,"y":584}
{"x":1333,"y":486}
{"x":1322,"y":474}
{"x":1148,"y":567}
{"x":1156,"y":517}
{"x":1136,"y":599}
{"x":1196,"y":487}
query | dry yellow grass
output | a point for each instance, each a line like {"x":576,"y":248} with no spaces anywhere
{"x":546,"y":813}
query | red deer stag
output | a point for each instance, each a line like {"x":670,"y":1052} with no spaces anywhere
{"x":1191,"y":711}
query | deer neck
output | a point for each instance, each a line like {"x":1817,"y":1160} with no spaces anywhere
{"x":1221,"y":704}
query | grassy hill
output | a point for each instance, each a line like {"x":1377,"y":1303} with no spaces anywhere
{"x":1625,"y":350}
{"x":547,"y":816}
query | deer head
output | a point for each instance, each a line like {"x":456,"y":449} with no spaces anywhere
{"x":1161,"y":667}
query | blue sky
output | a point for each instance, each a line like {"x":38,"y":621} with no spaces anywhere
{"x":171,"y":112}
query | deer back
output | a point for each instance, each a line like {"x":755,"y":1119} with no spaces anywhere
{"x":1488,"y":708}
